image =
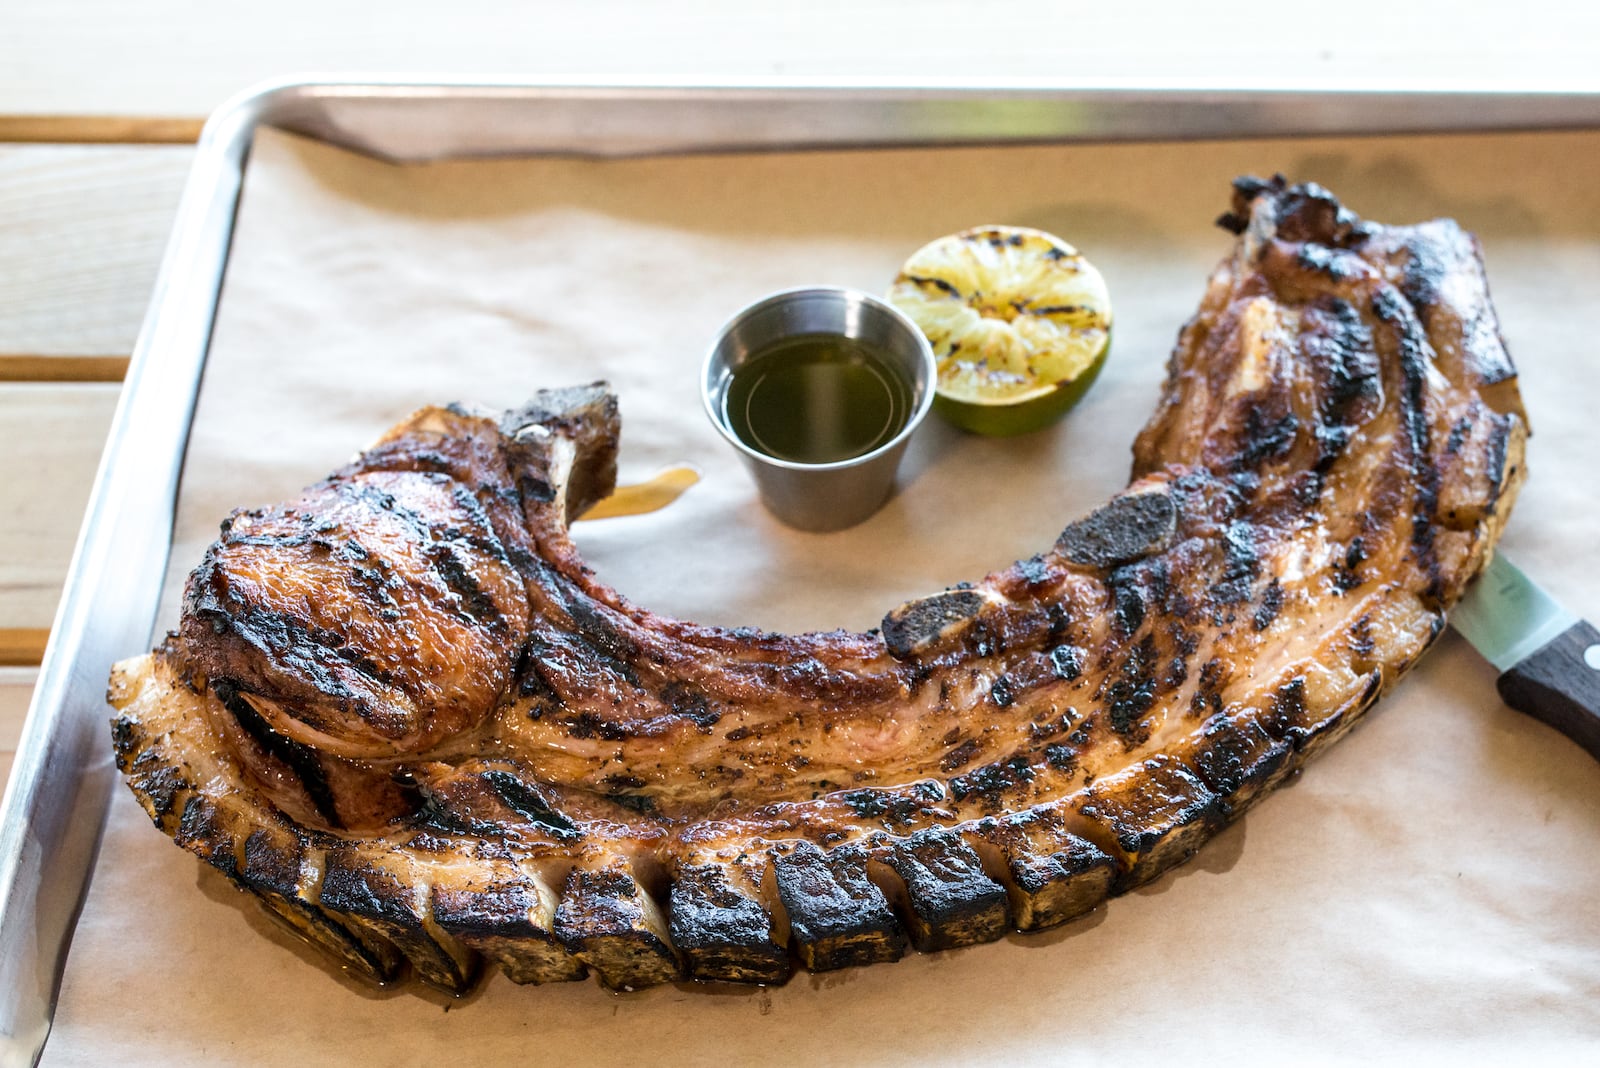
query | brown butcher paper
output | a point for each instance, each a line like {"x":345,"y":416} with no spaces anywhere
{"x":1423,"y":893}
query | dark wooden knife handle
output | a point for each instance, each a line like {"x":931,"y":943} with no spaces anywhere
{"x":1560,"y":684}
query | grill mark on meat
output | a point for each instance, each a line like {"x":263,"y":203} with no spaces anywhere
{"x":371,"y":578}
{"x":1034,"y":571}
{"x":1424,"y":272}
{"x":458,"y":579}
{"x":1499,"y":443}
{"x":609,"y":645}
{"x":531,"y":683}
{"x":1265,"y":437}
{"x":1240,"y":565}
{"x":297,"y":647}
{"x":1286,"y":707}
{"x":271,"y":540}
{"x":1362,"y":644}
{"x":1271,"y":603}
{"x":1208,"y":692}
{"x":1482,"y":343}
{"x":1058,"y":622}
{"x":1413,"y":361}
{"x":1127,"y":607}
{"x":585,"y":724}
{"x":1337,"y":265}
{"x":433,"y":812}
{"x":438,"y":544}
{"x":430,"y":460}
{"x":1339,"y":348}
{"x":960,"y":756}
{"x":526,"y":802}
{"x":809,"y":678}
{"x":692,"y":705}
{"x":1002,"y":691}
{"x":1131,"y":692}
{"x":895,"y":808}
{"x":535,"y":490}
{"x":302,"y":760}
{"x":1177,"y":674}
{"x":1347,"y":574}
{"x":1067,"y":662}
{"x":1062,"y":758}
{"x":487,"y":543}
{"x":989,"y":783}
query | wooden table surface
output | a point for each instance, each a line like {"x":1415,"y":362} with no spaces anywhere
{"x":100,"y":100}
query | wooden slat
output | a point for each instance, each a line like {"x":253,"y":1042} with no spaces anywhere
{"x":63,"y":368}
{"x":82,"y":230}
{"x":50,"y":442}
{"x":16,"y":690}
{"x":99,"y":129}
{"x":22,"y":646}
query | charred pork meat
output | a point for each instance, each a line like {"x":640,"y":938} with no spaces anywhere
{"x":402,"y":714}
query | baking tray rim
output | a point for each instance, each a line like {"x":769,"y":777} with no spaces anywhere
{"x":53,"y":810}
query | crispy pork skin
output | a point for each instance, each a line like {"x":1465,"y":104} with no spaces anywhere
{"x":402,"y":714}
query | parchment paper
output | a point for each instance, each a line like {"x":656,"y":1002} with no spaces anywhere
{"x":1425,"y":892}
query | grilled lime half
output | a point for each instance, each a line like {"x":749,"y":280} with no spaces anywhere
{"x":1019,"y":320}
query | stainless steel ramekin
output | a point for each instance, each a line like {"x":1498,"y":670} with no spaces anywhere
{"x":822,"y":496}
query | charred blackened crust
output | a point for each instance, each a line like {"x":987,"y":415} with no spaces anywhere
{"x":1132,"y":526}
{"x":402,"y":715}
{"x":587,"y":418}
{"x":1305,"y":212}
{"x":929,"y":622}
{"x":838,"y":917}
{"x":722,"y":927}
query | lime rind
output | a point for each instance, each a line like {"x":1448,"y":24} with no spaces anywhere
{"x":1011,"y":418}
{"x":1019,"y":322}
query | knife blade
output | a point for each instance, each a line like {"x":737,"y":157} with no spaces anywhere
{"x":1548,"y":658}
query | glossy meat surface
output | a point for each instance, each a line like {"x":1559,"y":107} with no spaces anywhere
{"x":402,"y":713}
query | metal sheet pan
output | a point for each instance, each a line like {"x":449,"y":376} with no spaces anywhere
{"x":55,"y":802}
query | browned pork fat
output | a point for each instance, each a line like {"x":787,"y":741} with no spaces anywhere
{"x":402,"y":713}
